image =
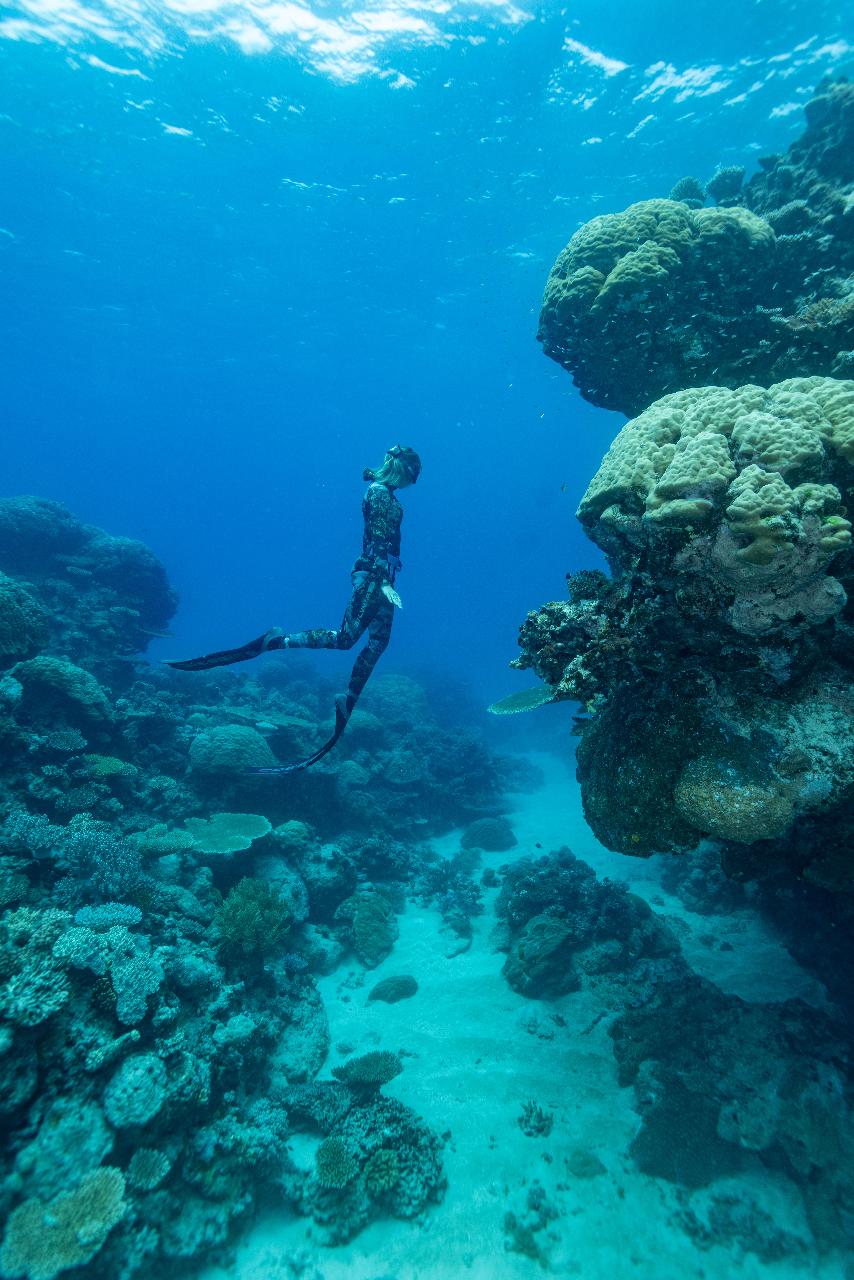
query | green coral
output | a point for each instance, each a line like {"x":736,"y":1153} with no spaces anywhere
{"x":44,"y":1239}
{"x":382,"y":1173}
{"x":252,"y":920}
{"x":334,"y":1166}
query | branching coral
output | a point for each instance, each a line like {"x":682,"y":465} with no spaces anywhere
{"x":44,"y":1239}
{"x":252,"y":920}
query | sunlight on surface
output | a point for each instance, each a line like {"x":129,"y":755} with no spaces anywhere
{"x":345,"y":43}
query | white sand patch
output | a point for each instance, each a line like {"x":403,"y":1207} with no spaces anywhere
{"x":475,"y":1053}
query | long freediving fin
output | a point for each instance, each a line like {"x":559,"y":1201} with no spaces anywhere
{"x":342,"y":715}
{"x":225,"y":657}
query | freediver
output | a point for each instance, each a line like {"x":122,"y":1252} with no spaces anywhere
{"x":371,"y":606}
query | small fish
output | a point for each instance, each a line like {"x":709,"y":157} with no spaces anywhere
{"x":563,"y":487}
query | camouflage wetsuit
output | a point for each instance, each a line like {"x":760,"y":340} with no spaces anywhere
{"x":369,"y":609}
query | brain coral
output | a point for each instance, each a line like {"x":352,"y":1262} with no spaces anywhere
{"x":33,"y":531}
{"x":136,"y":1092}
{"x":129,"y":567}
{"x":54,"y":688}
{"x":23,"y":623}
{"x":626,"y":307}
{"x":229,"y":748}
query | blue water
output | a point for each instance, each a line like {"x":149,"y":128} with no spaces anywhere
{"x":245,"y":248}
{"x":231,"y":278}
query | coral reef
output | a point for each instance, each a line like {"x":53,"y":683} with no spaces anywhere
{"x":99,"y":599}
{"x":721,"y":1084}
{"x":669,"y":295}
{"x":562,"y":924}
{"x":715,"y":664}
{"x":161,"y":915}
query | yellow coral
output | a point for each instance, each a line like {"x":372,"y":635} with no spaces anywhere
{"x":731,"y":453}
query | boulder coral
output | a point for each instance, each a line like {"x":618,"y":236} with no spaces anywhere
{"x":626,"y":306}
{"x":714,"y":665}
{"x":667,"y":294}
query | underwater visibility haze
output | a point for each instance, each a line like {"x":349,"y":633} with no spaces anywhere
{"x":563,"y":988}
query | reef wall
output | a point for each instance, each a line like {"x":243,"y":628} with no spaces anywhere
{"x":714,"y":666}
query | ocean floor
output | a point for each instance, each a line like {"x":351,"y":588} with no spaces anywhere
{"x":475,"y":1053}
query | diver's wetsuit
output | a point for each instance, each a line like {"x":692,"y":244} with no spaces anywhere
{"x":369,"y":609}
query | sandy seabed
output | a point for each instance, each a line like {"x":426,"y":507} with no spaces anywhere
{"x":476,"y":1052}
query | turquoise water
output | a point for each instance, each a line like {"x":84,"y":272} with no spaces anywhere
{"x":373,"y":1018}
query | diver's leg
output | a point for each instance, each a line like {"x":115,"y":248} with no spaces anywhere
{"x":357,"y":617}
{"x":379,"y":632}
